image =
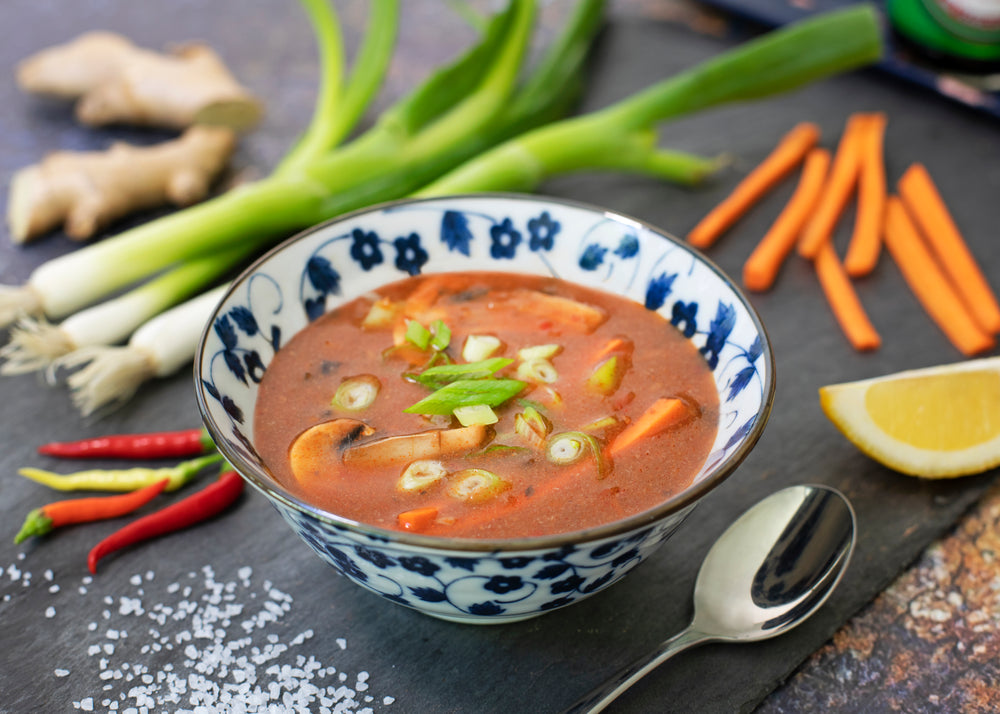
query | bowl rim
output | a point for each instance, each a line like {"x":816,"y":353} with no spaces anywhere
{"x":678,"y":503}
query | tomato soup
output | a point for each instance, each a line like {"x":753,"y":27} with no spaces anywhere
{"x":486,"y":405}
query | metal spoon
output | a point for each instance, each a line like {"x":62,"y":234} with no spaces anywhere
{"x":768,"y":572}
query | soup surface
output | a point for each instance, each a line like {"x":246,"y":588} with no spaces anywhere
{"x":486,"y":405}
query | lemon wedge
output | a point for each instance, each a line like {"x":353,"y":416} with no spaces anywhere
{"x":936,"y":422}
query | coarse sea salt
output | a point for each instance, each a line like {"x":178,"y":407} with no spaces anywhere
{"x":234,"y":653}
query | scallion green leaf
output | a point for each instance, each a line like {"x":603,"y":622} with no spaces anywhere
{"x":441,"y":335}
{"x":417,"y":334}
{"x":440,"y":375}
{"x":466,"y":392}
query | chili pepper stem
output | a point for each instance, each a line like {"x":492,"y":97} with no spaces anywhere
{"x":36,"y":523}
{"x":86,"y":510}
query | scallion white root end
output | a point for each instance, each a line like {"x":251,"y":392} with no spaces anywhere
{"x":17,"y":301}
{"x":34,"y":345}
{"x":105,"y":377}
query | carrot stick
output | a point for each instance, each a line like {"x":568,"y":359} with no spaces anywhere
{"x":761,"y":268}
{"x":662,"y":413}
{"x":926,"y":206}
{"x":843,"y":178}
{"x":866,"y":241}
{"x":929,"y":283}
{"x":417,"y":519}
{"x":779,"y":163}
{"x":844,"y":301}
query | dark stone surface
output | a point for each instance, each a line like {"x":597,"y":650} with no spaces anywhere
{"x":71,"y":642}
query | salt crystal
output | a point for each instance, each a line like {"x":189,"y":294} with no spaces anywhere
{"x":50,"y":612}
{"x":53,"y":589}
{"x":48,"y":575}
{"x":342,"y":643}
{"x":86,"y":705}
{"x":61,"y":672}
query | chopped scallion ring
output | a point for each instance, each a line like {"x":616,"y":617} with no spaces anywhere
{"x":476,"y":485}
{"x":421,"y":475}
{"x":567,"y":447}
{"x":537,"y":370}
{"x":356,"y":393}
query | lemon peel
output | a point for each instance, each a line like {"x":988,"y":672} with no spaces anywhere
{"x":935,"y":422}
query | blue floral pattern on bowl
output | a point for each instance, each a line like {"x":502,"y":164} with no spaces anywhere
{"x":480,"y":581}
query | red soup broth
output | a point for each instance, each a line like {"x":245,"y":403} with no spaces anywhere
{"x":524,"y":488}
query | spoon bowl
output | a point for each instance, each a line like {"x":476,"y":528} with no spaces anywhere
{"x":768,"y":572}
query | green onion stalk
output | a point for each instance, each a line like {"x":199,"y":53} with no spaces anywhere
{"x":477,"y":124}
{"x":622,"y":136}
{"x":456,"y":113}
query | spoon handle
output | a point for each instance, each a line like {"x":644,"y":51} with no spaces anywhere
{"x":606,"y":693}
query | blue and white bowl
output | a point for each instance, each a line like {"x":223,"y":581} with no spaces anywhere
{"x":467,"y":580}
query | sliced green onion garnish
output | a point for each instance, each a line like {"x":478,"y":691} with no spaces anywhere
{"x":440,"y":375}
{"x":476,"y":485}
{"x":499,"y":450}
{"x":466,"y":392}
{"x":417,"y":334}
{"x":539,"y":352}
{"x":607,"y":376}
{"x":602,"y":423}
{"x":441,"y":336}
{"x":420,"y":475}
{"x":476,"y":414}
{"x":356,"y":393}
{"x":567,"y":447}
{"x":537,"y":370}
{"x":531,"y":426}
{"x":480,"y":347}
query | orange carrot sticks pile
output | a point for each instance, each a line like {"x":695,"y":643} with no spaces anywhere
{"x":916,"y":227}
{"x":786,"y":156}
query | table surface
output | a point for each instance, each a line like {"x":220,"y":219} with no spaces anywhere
{"x":236,"y":610}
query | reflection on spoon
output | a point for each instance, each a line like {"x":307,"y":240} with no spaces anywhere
{"x":768,"y":572}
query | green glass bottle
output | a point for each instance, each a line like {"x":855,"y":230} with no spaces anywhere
{"x":960,"y":33}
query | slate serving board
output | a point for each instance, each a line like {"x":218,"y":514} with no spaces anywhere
{"x":178,"y":614}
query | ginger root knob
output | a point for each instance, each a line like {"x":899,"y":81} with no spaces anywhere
{"x":117,"y":82}
{"x":85,"y":191}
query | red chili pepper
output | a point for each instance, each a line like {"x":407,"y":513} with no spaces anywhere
{"x":156,"y":445}
{"x":85,"y":510}
{"x":198,"y":507}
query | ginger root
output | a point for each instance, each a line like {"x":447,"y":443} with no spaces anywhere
{"x":117,"y":82}
{"x":85,"y":191}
